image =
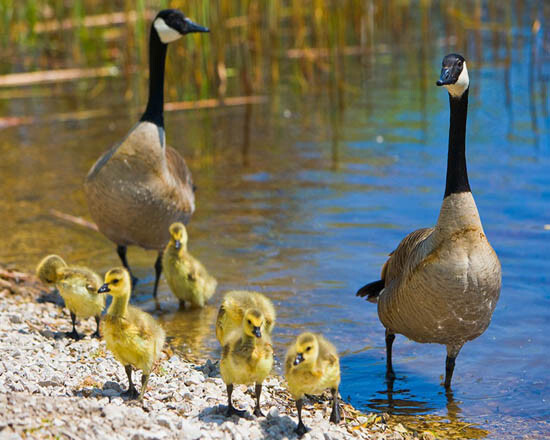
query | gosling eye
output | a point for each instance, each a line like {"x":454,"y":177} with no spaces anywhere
{"x":115,"y":282}
{"x":309,"y":348}
{"x":250,"y":322}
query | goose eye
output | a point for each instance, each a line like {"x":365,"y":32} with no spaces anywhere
{"x":115,"y":282}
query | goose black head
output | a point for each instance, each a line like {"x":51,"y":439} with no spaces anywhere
{"x":171,"y":25}
{"x":454,"y":75}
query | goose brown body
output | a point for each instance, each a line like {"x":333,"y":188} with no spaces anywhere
{"x":138,"y":188}
{"x":442,"y":284}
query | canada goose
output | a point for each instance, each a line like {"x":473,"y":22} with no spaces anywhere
{"x":78,"y":288}
{"x":140,"y":186}
{"x":133,"y":336}
{"x":247,"y":357}
{"x":187,"y":277}
{"x":441,"y":284}
{"x":233,"y":308}
{"x":312,"y":366}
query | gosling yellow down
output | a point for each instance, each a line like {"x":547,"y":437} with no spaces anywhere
{"x":78,"y":288}
{"x":233,"y":308}
{"x":133,"y":336}
{"x":312,"y":365}
{"x":188,"y":279}
{"x":247,"y":357}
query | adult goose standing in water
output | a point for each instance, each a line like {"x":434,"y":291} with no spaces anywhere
{"x":140,"y":186}
{"x":441,"y":284}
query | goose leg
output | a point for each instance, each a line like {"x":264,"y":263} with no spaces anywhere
{"x":257,"y":410}
{"x":231,"y":410}
{"x":144,"y":380}
{"x":449,"y":369}
{"x":73,"y":334}
{"x":452,"y":353}
{"x":390,"y":337}
{"x":301,"y":428}
{"x":158,"y":271}
{"x":121,"y":251}
{"x":335,"y":415}
{"x":96,"y":333}
{"x":131,"y":392}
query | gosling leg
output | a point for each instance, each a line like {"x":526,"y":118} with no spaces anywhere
{"x":390,"y":337}
{"x":131,"y":392}
{"x":230,"y":408}
{"x":449,"y":369}
{"x":158,"y":271}
{"x":144,"y":380}
{"x":121,"y":251}
{"x":73,"y":334}
{"x":335,"y":415}
{"x":301,"y":428}
{"x":96,"y":333}
{"x":257,"y":410}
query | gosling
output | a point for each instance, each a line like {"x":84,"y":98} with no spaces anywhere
{"x":312,"y":366}
{"x":247,"y":357}
{"x":233,"y":308}
{"x":133,"y":336}
{"x":188,"y":279}
{"x":78,"y":288}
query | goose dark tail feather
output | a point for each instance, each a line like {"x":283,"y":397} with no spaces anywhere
{"x":371,"y":290}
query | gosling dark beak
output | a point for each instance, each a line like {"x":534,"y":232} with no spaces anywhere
{"x":299,"y":359}
{"x":194,"y":27}
{"x":104,"y":288}
{"x":257,"y":332}
{"x":177,"y":244}
{"x":445,"y":78}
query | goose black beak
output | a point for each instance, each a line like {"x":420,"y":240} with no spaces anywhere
{"x":177,"y":244}
{"x":446,"y":77}
{"x":194,"y":27}
{"x":257,"y":332}
{"x":299,"y":359}
{"x":104,"y":288}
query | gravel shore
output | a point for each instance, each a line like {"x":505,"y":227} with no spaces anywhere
{"x":54,"y":387}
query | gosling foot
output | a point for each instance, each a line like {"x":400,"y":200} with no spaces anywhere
{"x":335,"y":415}
{"x":131,"y":393}
{"x":231,"y":411}
{"x":74,"y":335}
{"x":96,"y":334}
{"x":258,"y":412}
{"x":300,"y":429}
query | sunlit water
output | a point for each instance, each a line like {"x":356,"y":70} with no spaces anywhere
{"x":303,"y":199}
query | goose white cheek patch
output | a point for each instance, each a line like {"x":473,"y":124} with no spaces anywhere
{"x":460,"y":86}
{"x":166,"y":33}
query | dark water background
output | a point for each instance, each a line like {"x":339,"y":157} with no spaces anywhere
{"x":303,"y":195}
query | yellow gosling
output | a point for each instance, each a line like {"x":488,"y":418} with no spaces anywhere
{"x":188,"y":279}
{"x":78,"y":288}
{"x":233,"y":308}
{"x":247,"y":357}
{"x":133,"y":336}
{"x":312,"y":366}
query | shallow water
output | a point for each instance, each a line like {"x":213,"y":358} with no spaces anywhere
{"x":302,"y":197}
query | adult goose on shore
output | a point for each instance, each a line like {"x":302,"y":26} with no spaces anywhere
{"x":140,"y":186}
{"x":441,"y":284}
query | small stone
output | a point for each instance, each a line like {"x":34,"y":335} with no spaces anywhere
{"x":273,"y":412}
{"x":426,"y":435}
{"x":15,"y":319}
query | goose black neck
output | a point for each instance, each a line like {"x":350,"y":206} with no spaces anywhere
{"x":157,"y":57}
{"x":457,"y":174}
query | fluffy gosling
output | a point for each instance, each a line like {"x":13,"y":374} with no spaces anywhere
{"x":233,"y":308}
{"x":78,"y":288}
{"x":133,"y":336}
{"x":247,"y":357}
{"x":312,"y":365}
{"x":187,"y":277}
